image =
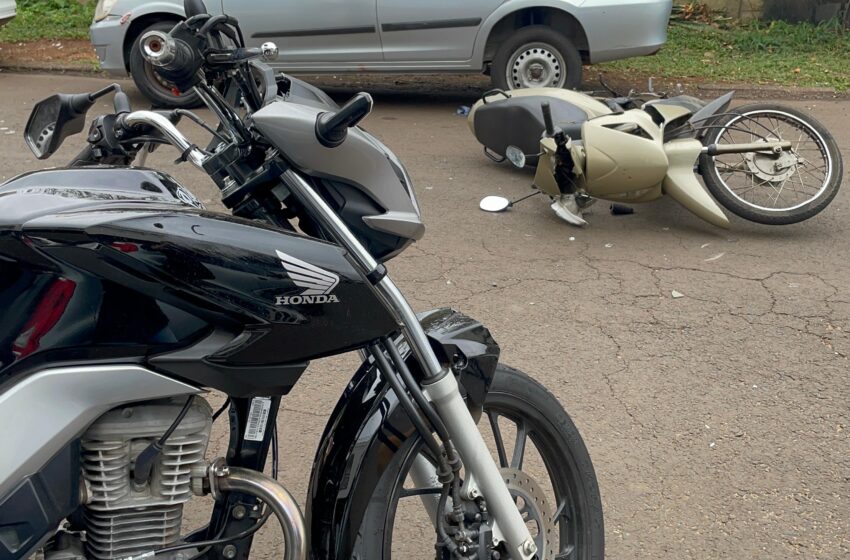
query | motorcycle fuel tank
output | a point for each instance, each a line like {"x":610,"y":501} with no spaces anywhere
{"x":286,"y":297}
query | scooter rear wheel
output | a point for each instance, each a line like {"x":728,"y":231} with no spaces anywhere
{"x":767,"y":189}
{"x":545,"y":464}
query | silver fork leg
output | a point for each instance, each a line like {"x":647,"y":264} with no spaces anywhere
{"x":424,"y":475}
{"x":440,"y":384}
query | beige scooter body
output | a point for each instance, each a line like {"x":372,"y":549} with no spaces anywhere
{"x":623,"y":158}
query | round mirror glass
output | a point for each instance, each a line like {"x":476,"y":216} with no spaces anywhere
{"x":495,"y":204}
{"x":515,"y":156}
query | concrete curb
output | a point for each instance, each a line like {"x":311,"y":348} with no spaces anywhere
{"x":80,"y":68}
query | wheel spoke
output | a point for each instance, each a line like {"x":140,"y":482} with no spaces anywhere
{"x":786,"y":187}
{"x":567,"y":553}
{"x":519,"y":446}
{"x":410,"y":492}
{"x":497,"y":435}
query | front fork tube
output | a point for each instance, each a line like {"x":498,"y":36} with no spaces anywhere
{"x":424,"y":475}
{"x":439,"y":384}
{"x":487,"y":480}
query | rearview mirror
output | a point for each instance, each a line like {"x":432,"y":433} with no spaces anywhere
{"x":194,"y":8}
{"x":53,"y":120}
{"x":515,"y":156}
{"x":494,"y":204}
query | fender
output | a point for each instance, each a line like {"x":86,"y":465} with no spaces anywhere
{"x":682,"y":185}
{"x":703,"y":116}
{"x":510,"y":7}
{"x":368,"y":427}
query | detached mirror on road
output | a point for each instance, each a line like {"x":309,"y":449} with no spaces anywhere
{"x":494,"y":204}
{"x":515,"y":156}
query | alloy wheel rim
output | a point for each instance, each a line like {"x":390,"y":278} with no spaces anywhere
{"x":536,"y":65}
{"x":561,"y":526}
{"x":164,"y":85}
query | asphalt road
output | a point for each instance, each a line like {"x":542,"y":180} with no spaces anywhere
{"x":718,"y":422}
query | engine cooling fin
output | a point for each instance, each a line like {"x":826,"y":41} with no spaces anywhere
{"x":123,"y":519}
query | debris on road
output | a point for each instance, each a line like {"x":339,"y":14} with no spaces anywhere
{"x":677,"y":295}
{"x":462,"y":111}
{"x":716,"y":257}
{"x":621,"y":210}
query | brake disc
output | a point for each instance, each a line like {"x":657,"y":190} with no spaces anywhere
{"x":535,"y":510}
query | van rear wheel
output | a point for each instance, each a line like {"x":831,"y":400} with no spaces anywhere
{"x":158,"y":91}
{"x":536,"y":56}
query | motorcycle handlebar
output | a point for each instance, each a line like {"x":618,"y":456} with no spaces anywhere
{"x":163,"y":51}
{"x":547,"y":118}
{"x":189,"y":151}
{"x":332,"y":127}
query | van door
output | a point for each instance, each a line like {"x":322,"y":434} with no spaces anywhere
{"x":320,"y":32}
{"x":436,"y":30}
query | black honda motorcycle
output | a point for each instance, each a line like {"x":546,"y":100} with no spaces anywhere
{"x":125,"y":301}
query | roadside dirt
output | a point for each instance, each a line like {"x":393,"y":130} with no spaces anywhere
{"x":47,"y":53}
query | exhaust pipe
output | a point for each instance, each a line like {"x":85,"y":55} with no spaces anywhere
{"x":232,"y":479}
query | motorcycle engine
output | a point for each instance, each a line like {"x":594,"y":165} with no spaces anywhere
{"x":122,"y":519}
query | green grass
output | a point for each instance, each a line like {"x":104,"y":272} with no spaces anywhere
{"x":774,"y":53}
{"x":49,"y":19}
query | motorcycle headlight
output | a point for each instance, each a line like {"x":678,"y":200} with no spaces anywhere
{"x":103,"y":9}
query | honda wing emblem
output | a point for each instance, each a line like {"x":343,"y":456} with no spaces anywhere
{"x":317,"y":282}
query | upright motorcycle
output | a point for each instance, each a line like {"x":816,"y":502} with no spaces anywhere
{"x":125,"y":301}
{"x":766,"y":163}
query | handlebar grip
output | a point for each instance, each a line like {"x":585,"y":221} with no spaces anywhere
{"x":165,"y":52}
{"x":121,"y":103}
{"x":547,"y":118}
{"x":332,"y":127}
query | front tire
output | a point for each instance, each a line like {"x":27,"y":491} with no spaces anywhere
{"x":781,"y":190}
{"x":158,"y":91}
{"x":536,"y":56}
{"x":572,"y":489}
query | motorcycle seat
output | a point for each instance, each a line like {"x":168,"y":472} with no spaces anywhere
{"x":518,"y":121}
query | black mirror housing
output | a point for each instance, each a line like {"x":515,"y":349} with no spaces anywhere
{"x":194,"y":8}
{"x":53,"y":120}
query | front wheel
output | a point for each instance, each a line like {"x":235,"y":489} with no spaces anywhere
{"x":536,"y":56}
{"x":766,"y":188}
{"x":544,"y":463}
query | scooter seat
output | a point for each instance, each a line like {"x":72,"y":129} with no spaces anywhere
{"x":518,"y":121}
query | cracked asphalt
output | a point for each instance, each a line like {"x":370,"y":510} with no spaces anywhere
{"x":718,"y":422}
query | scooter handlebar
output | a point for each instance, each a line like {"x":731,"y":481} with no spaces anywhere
{"x":547,"y":118}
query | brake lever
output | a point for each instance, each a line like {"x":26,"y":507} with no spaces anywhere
{"x":232,"y":56}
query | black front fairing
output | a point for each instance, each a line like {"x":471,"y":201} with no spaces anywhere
{"x":138,"y":268}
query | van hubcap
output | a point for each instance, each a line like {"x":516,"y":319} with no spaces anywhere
{"x":536,"y":65}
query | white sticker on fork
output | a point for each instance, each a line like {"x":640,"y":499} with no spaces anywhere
{"x":258,"y":415}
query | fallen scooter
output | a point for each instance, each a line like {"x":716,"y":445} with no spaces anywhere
{"x":766,"y":163}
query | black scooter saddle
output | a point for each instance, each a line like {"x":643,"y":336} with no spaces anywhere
{"x":518,"y":121}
